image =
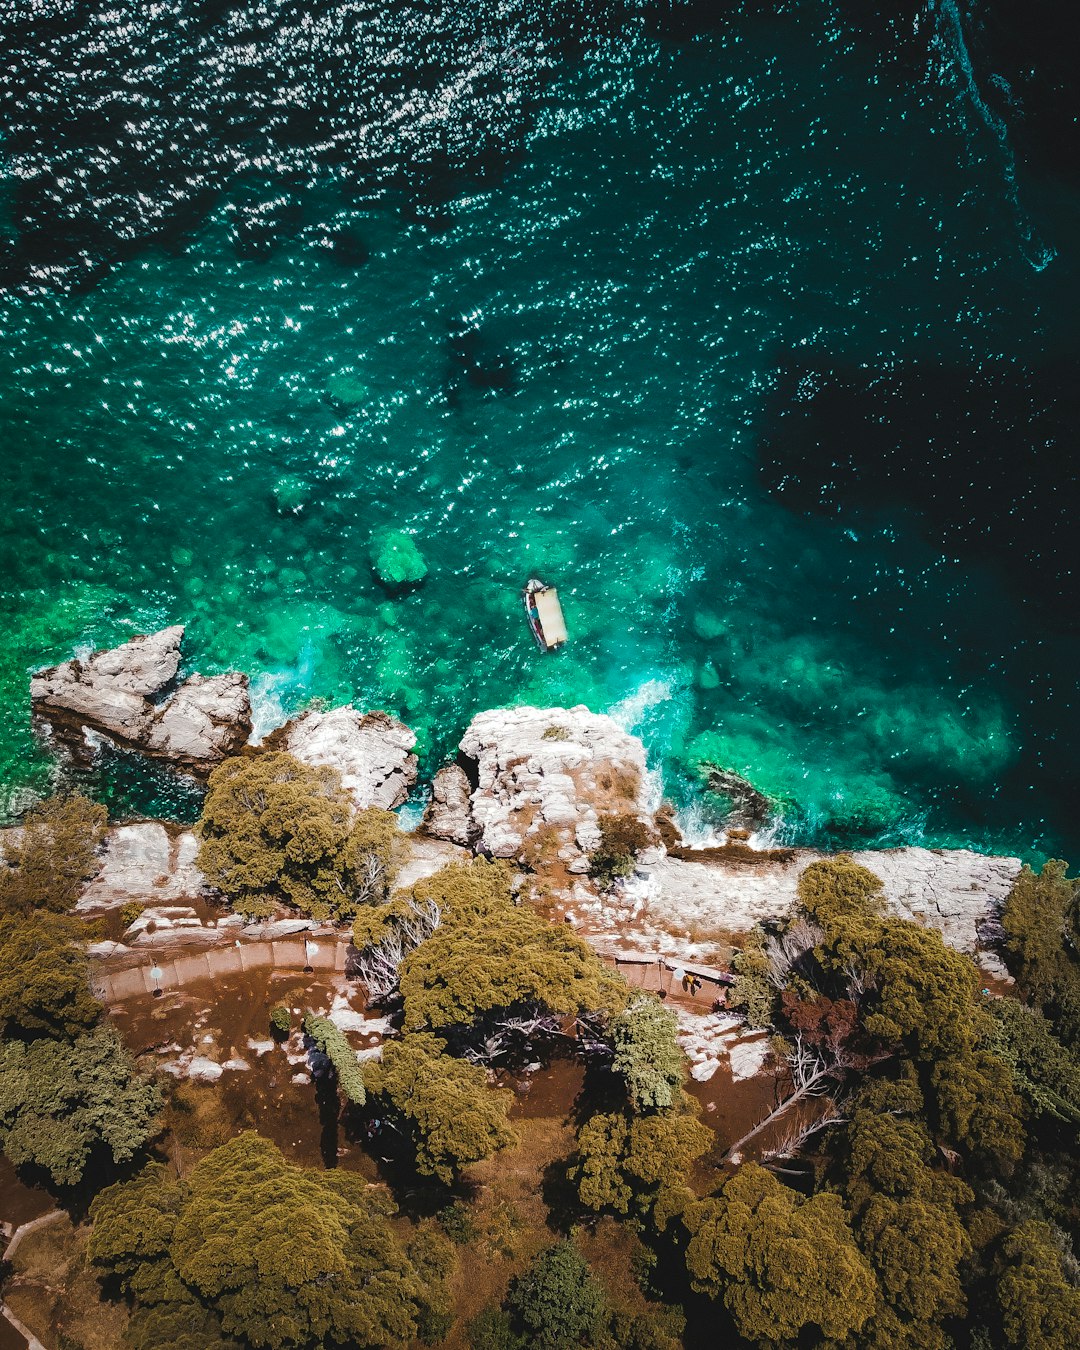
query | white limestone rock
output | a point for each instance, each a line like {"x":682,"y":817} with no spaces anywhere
{"x":121,"y":694}
{"x":203,"y":1070}
{"x":372,"y":752}
{"x":448,"y":815}
{"x":206,"y":720}
{"x":549,"y":774}
{"x":956,"y":891}
{"x":144,"y":861}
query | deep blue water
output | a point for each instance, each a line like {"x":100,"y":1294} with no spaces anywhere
{"x":756,"y":335}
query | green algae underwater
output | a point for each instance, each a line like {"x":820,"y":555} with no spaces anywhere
{"x":563,"y":380}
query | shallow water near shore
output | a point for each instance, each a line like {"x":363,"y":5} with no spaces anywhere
{"x":650,"y":362}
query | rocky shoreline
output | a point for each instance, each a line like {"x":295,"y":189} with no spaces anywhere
{"x":529,"y":785}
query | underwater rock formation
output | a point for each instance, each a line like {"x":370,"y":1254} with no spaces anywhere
{"x":543,"y":778}
{"x":119,"y":693}
{"x":372,"y":752}
{"x":750,"y":809}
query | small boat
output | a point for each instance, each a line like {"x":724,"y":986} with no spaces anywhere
{"x":545,"y":615}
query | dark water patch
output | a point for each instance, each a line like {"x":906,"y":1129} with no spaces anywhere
{"x":123,"y":122}
{"x":983,"y":453}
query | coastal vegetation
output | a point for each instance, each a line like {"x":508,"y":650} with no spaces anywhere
{"x":274,"y":831}
{"x":911,"y":1183}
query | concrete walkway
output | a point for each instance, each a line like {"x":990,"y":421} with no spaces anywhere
{"x":321,"y":951}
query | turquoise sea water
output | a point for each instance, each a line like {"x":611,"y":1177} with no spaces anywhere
{"x":566,"y":375}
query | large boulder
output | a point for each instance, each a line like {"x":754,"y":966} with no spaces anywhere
{"x":543,"y":777}
{"x":449,"y":813}
{"x":372,"y":752}
{"x":144,"y":861}
{"x":110,"y":690}
{"x":206,"y":720}
{"x":123,"y":694}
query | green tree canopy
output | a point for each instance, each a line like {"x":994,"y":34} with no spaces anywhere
{"x":905,"y":1217}
{"x":274,"y":829}
{"x":284,"y":1257}
{"x":332,"y":1042}
{"x":1045,"y":1073}
{"x":453,"y":1116}
{"x":44,"y":976}
{"x":490,"y":954}
{"x":54,"y":857}
{"x":783,"y":1264}
{"x":1040,"y":1309}
{"x":558,"y":1301}
{"x":923,"y":997}
{"x":841,"y":895}
{"x":1042,"y":932}
{"x":623,"y":1161}
{"x":59,"y":1101}
{"x":647,"y":1056}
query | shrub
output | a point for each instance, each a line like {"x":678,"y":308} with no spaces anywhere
{"x":280,"y":1022}
{"x":558,"y":1301}
{"x":622,"y":837}
{"x":555,"y":733}
{"x":129,"y":911}
{"x":55,"y":856}
{"x":840,"y":894}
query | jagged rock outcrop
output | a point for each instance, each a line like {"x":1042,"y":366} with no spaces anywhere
{"x":206,"y":720}
{"x":123,"y":694}
{"x":449,"y":814}
{"x":543,"y":777}
{"x":750,"y":809}
{"x":372,"y":752}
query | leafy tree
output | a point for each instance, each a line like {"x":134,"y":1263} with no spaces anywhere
{"x":133,"y":1226}
{"x":490,"y":955}
{"x":283,"y":1256}
{"x":44,"y":977}
{"x":332,"y":1042}
{"x":623,"y":1162}
{"x":647,"y":1056}
{"x":1042,"y":931}
{"x":558,"y":1302}
{"x":905,"y":1218}
{"x":435,"y":1260}
{"x":275,"y":829}
{"x":54,"y":857}
{"x":622,"y":837}
{"x":181,"y":1324}
{"x":59,"y":1101}
{"x":922,"y":997}
{"x":1040,"y":1309}
{"x":454,"y":1118}
{"x":1044,"y":1071}
{"x":840,"y":895}
{"x":977,"y":1106}
{"x":783,"y":1264}
{"x":753,"y":991}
